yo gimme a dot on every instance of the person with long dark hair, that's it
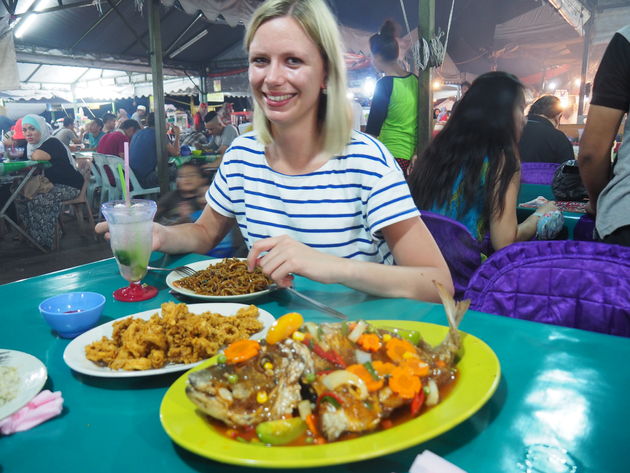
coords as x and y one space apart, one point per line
471 170
393 114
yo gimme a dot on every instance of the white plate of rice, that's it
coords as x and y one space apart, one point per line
22 377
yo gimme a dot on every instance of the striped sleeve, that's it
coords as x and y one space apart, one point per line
218 195
389 202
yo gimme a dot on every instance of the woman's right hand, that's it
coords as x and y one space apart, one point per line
102 228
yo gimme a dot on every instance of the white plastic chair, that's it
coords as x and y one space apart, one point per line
95 184
136 188
110 187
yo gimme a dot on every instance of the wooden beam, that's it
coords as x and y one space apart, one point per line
158 93
426 29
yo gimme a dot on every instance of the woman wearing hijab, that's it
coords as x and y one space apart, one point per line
39 215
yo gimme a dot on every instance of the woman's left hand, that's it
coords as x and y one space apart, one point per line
285 257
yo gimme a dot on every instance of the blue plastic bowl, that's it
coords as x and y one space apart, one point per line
72 313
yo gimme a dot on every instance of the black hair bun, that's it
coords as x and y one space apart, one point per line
388 29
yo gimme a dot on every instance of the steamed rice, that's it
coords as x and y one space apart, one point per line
9 383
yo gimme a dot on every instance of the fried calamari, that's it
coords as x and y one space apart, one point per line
175 336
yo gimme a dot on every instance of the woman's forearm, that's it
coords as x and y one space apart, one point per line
185 238
384 280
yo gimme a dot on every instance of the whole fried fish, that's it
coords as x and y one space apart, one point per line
327 366
229 392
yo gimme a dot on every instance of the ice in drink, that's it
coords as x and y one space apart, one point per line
131 236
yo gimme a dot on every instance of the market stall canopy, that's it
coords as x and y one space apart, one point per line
73 83
202 37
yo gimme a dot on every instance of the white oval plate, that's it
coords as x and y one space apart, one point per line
33 375
198 266
74 354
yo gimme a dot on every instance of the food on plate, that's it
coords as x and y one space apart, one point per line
229 277
175 336
9 383
308 383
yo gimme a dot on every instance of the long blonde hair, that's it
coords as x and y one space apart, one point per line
319 24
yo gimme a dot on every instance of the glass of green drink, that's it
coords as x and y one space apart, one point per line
131 238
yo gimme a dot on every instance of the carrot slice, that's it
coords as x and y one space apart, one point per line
242 350
404 383
312 424
416 366
383 368
369 342
396 349
362 372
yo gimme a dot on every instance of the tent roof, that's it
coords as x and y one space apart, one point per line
485 34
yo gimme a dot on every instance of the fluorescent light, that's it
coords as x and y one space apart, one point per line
350 95
27 22
188 44
551 85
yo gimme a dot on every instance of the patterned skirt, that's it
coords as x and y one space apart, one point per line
39 215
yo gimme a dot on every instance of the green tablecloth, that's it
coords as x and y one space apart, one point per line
529 192
561 387
8 167
204 158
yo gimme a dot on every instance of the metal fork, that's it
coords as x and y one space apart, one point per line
185 270
319 305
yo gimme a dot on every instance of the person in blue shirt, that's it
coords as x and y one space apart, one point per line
143 154
94 134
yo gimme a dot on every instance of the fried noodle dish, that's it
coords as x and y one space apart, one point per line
230 277
313 384
175 336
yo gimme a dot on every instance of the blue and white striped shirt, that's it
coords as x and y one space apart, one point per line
338 209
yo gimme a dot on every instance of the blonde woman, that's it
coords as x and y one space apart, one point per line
310 196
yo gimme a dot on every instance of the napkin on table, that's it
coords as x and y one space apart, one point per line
41 408
429 462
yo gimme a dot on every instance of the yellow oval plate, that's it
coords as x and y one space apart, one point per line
479 374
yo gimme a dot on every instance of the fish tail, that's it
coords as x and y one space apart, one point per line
454 313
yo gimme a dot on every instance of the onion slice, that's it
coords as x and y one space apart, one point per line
340 377
357 331
434 393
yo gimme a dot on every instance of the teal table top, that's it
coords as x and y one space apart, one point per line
560 387
529 192
7 167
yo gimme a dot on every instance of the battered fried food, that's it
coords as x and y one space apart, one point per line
175 336
229 277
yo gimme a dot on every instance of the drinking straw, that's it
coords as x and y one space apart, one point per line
127 170
124 185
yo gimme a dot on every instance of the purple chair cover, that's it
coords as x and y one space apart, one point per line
576 284
584 227
461 250
538 173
